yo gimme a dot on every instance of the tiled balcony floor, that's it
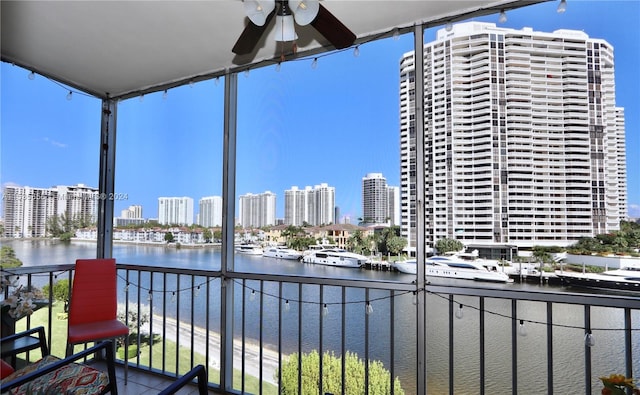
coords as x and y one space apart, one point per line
142 383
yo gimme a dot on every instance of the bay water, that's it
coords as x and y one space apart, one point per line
568 339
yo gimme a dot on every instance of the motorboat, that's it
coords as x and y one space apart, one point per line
318 247
453 267
335 257
625 279
249 249
282 253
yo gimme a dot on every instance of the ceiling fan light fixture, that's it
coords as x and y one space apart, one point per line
258 10
285 28
304 11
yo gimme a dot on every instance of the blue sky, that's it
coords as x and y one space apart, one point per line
298 126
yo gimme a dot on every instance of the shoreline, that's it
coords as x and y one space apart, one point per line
123 242
252 351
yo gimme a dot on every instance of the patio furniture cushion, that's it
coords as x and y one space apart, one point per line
91 331
76 378
5 369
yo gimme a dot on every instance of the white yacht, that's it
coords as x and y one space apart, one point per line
335 257
453 267
249 249
282 253
627 278
318 247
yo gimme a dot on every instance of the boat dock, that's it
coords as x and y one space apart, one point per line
379 265
538 278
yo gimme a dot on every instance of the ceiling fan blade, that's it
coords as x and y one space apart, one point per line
250 36
332 29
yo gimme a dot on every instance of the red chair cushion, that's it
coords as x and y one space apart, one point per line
93 331
5 369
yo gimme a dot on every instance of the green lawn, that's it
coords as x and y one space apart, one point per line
57 343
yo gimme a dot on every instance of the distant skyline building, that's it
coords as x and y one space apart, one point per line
130 216
210 211
315 206
621 170
296 206
380 202
132 212
175 211
257 210
26 210
375 199
322 205
393 204
524 144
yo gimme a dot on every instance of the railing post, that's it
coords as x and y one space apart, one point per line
628 346
106 178
228 219
514 347
587 350
421 353
549 348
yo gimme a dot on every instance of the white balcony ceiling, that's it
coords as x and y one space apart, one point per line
124 48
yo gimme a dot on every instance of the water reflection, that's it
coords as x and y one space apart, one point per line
347 311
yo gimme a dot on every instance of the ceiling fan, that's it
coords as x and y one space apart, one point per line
305 12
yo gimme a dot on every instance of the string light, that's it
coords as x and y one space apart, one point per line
69 96
196 292
287 307
165 94
150 297
396 34
246 73
522 330
562 7
589 341
459 313
217 81
368 308
141 98
252 296
194 288
278 66
314 64
356 51
31 76
503 17
414 298
173 297
325 308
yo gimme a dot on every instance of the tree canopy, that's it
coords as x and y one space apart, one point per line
379 378
448 245
624 241
8 258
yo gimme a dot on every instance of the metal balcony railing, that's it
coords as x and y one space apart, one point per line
474 333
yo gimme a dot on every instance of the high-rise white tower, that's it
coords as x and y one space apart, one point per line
210 211
27 210
375 199
296 206
315 206
257 210
524 144
175 211
322 205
